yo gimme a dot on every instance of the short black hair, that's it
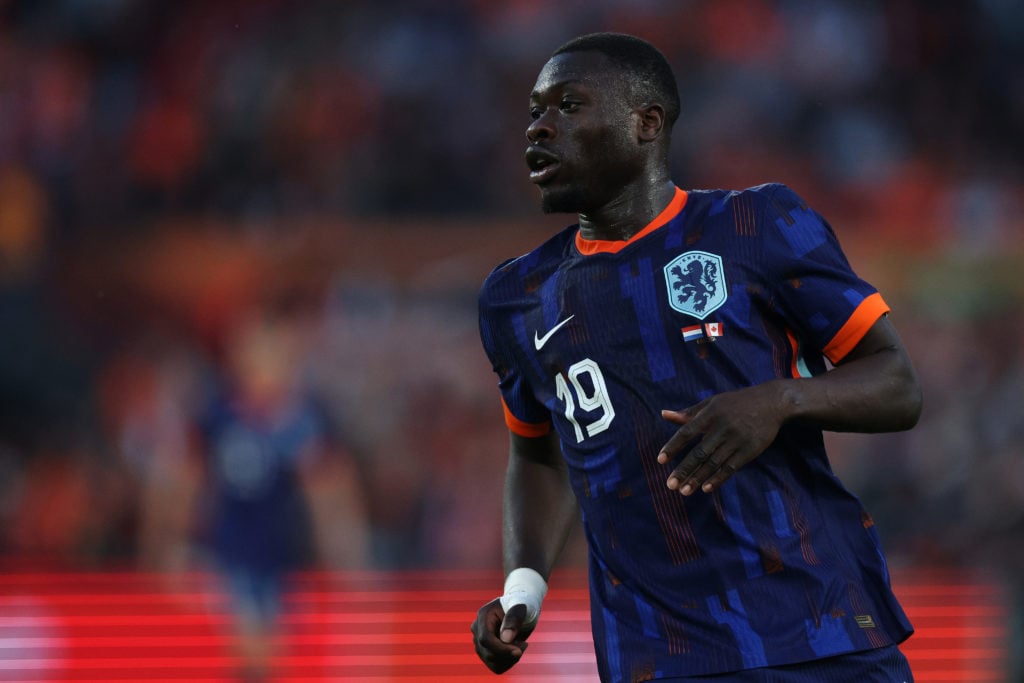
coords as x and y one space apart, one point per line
644 64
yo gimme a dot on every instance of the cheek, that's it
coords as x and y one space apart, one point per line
611 154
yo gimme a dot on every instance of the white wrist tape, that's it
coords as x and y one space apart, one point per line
525 586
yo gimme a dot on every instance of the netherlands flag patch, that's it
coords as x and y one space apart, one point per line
692 333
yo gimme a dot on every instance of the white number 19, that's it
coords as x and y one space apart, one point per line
588 402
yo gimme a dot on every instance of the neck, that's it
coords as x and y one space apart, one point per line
628 213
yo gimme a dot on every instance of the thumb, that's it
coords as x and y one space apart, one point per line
512 623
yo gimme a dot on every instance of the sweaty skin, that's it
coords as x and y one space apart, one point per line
593 152
612 157
873 389
536 526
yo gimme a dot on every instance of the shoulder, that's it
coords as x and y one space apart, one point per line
770 205
777 196
515 275
774 192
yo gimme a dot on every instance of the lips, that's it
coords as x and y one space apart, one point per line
543 164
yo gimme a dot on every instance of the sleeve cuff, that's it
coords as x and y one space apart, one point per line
527 429
858 324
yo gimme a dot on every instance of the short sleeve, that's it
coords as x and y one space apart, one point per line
524 414
813 286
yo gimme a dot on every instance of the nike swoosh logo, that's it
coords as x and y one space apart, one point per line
539 342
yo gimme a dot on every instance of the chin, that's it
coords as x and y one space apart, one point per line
562 200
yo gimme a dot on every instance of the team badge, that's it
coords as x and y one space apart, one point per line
696 283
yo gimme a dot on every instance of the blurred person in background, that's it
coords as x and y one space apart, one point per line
662 365
266 441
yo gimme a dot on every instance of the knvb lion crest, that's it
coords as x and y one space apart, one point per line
696 283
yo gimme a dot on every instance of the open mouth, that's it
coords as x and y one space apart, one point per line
543 165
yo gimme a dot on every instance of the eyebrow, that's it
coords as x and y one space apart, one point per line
560 84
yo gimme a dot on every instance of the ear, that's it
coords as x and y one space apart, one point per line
650 121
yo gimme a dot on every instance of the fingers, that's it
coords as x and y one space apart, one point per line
705 467
680 440
512 624
720 435
724 471
707 462
491 628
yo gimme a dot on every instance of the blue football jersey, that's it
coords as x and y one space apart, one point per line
593 339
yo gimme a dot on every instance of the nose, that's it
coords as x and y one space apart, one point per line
540 128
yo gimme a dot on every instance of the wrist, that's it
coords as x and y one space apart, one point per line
789 401
525 586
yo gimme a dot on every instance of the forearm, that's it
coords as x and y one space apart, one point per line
540 509
878 391
873 389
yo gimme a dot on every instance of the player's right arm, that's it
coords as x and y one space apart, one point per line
539 514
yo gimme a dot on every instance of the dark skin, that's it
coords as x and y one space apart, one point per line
609 155
873 389
612 155
534 535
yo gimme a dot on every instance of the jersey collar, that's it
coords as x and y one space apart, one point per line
588 247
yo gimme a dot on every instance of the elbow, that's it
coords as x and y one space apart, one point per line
910 402
906 396
912 410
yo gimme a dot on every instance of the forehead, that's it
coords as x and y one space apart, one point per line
589 69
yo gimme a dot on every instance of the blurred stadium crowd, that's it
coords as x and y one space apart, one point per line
272 204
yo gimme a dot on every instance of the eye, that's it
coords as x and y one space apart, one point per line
535 113
569 105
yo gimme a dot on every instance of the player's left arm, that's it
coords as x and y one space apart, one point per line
874 388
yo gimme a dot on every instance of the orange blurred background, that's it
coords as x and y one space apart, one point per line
285 199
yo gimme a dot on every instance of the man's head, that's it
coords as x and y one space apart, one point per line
602 109
643 65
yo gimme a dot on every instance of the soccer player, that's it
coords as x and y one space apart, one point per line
662 366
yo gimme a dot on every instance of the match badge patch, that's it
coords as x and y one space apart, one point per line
708 332
865 620
696 283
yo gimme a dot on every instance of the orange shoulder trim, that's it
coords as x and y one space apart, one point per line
527 429
850 334
588 247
